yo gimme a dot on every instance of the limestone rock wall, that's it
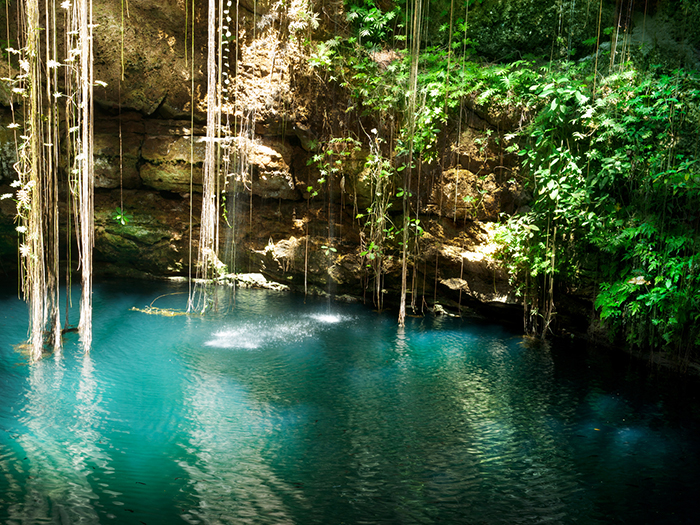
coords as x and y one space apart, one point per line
149 151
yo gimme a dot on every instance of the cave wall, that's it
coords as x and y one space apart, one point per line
147 164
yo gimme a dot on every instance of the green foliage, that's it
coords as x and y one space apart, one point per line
652 282
544 243
328 250
373 26
321 57
508 29
121 216
610 156
330 161
378 84
616 194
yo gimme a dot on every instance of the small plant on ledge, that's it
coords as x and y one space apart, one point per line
121 216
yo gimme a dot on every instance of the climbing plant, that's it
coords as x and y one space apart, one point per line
36 196
379 230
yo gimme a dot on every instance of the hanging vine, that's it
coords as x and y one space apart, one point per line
416 26
208 265
84 164
38 162
34 189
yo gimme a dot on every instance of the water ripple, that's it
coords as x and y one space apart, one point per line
336 416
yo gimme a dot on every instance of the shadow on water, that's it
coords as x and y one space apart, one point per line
279 410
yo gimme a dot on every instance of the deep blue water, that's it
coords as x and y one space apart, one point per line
282 411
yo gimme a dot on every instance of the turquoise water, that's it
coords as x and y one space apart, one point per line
282 411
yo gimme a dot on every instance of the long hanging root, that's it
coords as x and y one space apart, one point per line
165 312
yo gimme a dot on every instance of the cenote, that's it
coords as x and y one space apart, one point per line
283 410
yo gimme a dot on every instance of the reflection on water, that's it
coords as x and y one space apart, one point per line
278 411
225 457
58 446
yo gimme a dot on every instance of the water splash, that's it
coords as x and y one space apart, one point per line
254 335
330 318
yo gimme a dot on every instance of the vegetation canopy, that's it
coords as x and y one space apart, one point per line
604 117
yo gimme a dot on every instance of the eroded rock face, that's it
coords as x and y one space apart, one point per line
117 149
150 148
164 155
267 170
8 235
171 156
462 195
155 240
155 56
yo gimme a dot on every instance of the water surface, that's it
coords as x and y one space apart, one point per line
281 411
